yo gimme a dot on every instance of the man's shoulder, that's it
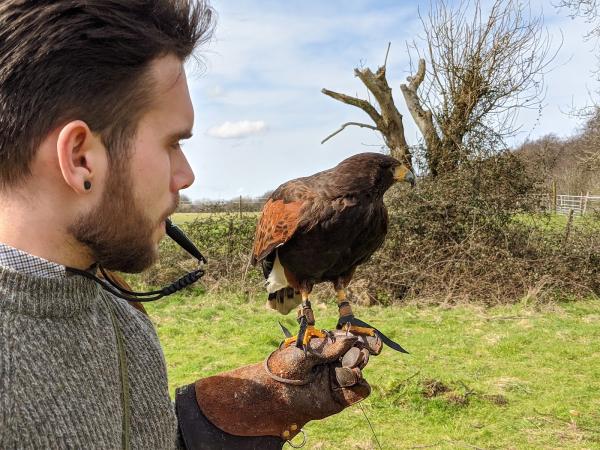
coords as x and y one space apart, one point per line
133 322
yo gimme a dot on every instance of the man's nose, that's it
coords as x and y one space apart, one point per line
183 175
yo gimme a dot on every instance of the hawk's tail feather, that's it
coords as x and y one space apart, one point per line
284 300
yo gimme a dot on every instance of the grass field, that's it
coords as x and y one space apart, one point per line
558 222
522 376
179 218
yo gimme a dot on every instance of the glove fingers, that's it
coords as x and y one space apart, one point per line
352 380
365 359
356 357
347 396
346 376
328 350
293 363
373 344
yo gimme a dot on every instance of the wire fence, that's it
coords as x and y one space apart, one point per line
565 203
239 206
580 204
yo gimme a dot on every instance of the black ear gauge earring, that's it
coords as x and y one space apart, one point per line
87 185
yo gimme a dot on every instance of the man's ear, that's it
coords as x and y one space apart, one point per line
80 155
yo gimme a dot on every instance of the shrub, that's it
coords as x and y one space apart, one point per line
476 235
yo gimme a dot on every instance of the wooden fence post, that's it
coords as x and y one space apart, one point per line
554 204
568 227
230 240
240 206
585 203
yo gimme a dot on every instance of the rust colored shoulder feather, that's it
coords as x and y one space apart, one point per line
278 222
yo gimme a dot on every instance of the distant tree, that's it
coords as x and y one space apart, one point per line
590 142
481 71
573 163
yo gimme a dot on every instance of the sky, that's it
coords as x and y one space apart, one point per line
259 112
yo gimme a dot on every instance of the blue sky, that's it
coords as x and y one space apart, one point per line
260 113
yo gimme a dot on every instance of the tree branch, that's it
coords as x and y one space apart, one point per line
416 80
386 54
388 119
391 125
359 103
423 118
358 124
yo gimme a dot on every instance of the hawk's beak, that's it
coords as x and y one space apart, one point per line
403 173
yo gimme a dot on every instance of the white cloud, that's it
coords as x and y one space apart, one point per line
241 129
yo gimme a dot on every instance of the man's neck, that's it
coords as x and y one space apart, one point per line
39 230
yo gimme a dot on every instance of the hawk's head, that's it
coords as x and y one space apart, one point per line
401 172
372 172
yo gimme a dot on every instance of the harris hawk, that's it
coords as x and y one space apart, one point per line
319 228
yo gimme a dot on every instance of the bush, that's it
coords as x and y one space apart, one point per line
224 239
476 235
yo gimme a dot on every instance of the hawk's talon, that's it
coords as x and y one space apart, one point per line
329 334
363 331
309 333
287 342
347 326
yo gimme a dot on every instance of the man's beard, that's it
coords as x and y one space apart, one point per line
117 233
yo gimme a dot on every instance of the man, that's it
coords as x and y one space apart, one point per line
93 106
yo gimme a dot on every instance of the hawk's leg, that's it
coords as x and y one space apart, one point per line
306 319
346 316
348 322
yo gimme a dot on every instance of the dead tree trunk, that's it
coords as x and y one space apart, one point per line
424 119
388 122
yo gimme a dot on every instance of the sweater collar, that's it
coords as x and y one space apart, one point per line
46 297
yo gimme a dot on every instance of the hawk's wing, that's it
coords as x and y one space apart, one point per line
280 218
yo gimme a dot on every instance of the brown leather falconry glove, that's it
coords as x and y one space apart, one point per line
278 396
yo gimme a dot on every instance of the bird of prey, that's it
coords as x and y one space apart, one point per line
319 229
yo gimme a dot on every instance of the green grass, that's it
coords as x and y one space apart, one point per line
558 222
520 376
179 218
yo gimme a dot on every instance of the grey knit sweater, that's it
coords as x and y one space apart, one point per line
60 384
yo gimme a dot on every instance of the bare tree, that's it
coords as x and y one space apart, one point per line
572 163
590 142
482 70
388 120
590 11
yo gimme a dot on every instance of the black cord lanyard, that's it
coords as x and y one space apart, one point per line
175 233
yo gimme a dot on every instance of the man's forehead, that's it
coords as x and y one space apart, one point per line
172 103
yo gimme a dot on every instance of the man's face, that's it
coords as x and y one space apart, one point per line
124 229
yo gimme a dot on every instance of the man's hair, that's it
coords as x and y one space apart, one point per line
63 60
